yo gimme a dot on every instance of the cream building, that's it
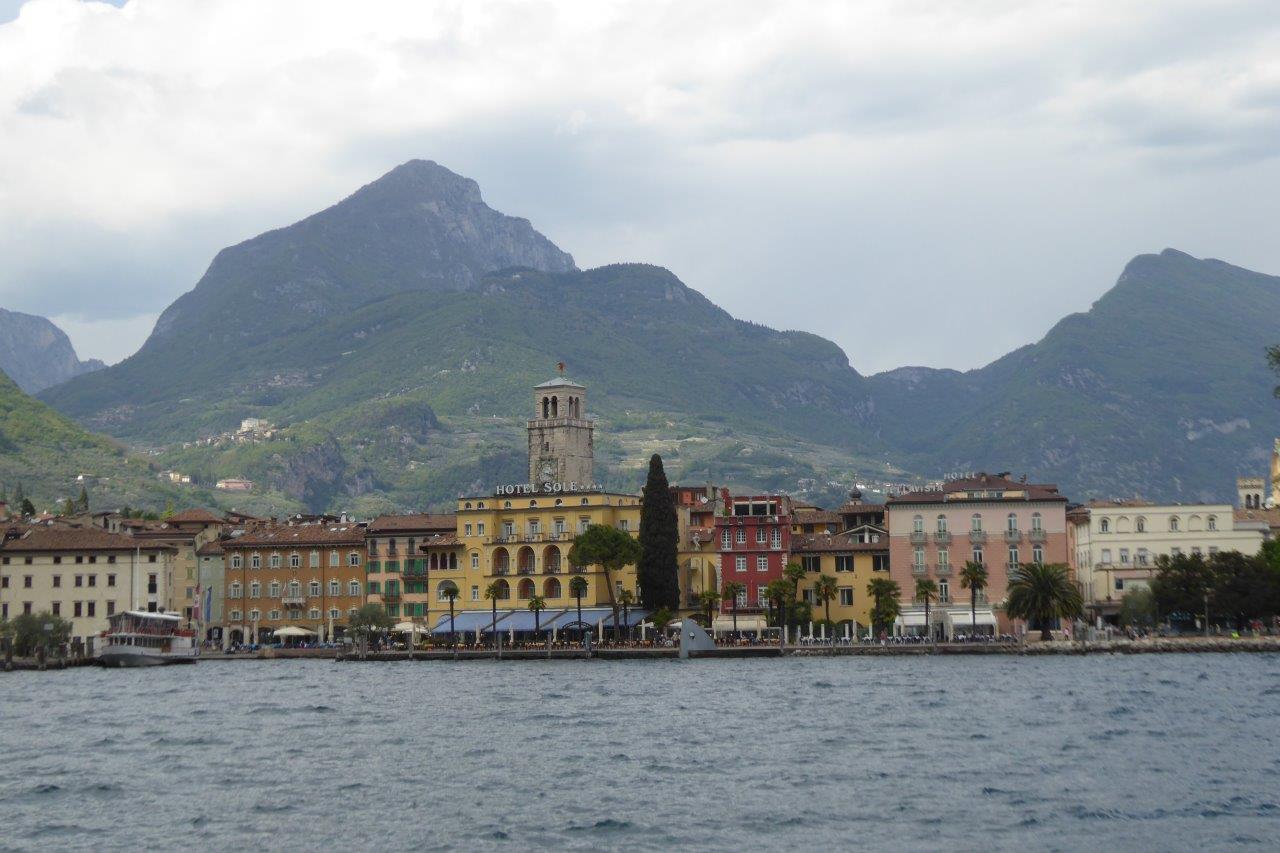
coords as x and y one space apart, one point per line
1114 544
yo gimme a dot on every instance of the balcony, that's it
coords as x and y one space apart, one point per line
942 569
293 600
942 537
502 570
390 595
977 536
1013 537
919 569
525 570
919 537
1036 534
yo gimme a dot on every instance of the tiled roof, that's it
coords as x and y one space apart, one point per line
822 542
42 538
981 482
1271 517
210 549
287 535
858 507
195 515
559 382
413 522
438 541
815 516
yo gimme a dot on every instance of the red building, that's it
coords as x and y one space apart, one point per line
754 539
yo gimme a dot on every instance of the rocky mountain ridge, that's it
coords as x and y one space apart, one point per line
36 354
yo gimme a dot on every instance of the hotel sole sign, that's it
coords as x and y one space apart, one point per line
546 488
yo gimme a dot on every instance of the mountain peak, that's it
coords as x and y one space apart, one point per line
36 354
427 178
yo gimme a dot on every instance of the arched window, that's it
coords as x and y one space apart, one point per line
942 524
1037 523
1011 522
353 559
1195 523
976 523
1173 523
551 560
1213 522
546 407
506 504
453 561
1140 525
1122 524
333 558
559 502
551 588
533 504
442 590
467 505
504 590
1104 526
526 560
584 501
525 589
917 524
501 561
555 407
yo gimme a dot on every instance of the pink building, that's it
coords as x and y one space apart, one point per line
988 519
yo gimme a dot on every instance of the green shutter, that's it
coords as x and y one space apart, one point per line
373 566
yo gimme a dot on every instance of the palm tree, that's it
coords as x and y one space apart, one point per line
794 573
1042 592
825 590
731 590
491 593
537 604
776 592
926 591
973 577
708 598
885 593
578 588
451 593
627 598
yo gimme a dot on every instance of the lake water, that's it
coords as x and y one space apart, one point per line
1140 752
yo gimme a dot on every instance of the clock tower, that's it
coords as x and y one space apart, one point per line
561 444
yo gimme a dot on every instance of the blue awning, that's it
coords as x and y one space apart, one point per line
522 620
590 615
467 621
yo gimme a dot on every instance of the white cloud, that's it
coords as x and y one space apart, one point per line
884 173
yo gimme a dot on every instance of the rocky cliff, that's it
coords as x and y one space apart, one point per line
36 354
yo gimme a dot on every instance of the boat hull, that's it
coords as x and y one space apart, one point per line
133 657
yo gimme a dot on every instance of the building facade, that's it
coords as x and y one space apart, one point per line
1114 544
186 532
988 519
83 575
561 436
754 540
405 552
306 575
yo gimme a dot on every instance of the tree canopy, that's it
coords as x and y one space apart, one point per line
657 572
1041 593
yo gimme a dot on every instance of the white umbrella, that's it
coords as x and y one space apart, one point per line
292 631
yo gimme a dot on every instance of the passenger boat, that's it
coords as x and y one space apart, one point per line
137 638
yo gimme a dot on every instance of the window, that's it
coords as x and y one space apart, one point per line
111 558
742 536
353 588
844 562
1013 558
740 564
111 580
1119 584
235 615
57 580
78 582
76 609
57 561
624 525
479 528
1195 551
846 596
466 529
295 560
275 561
917 558
1141 525
1124 556
762 563
917 524
1037 554
26 582
255 614
234 590
1213 522
274 588
1037 523
975 523
57 608
353 559
1011 522
93 581
79 559
91 608
334 613
335 588
977 555
1143 557
942 524
111 608
255 561
1173 523
313 559
944 560
944 591
1104 526
726 539
776 538
475 560
236 561
333 557
761 535
1106 556
1175 552
475 593
1213 550
255 590
314 613
314 587
274 614
811 562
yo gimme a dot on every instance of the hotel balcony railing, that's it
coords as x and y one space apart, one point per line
389 595
525 570
502 570
919 569
293 600
942 569
942 537
528 538
977 536
1036 534
1013 536
552 570
919 537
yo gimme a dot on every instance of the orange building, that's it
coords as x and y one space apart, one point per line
305 575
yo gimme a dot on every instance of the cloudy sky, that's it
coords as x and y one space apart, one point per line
922 182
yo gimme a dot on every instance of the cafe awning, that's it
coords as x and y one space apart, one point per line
467 621
293 631
966 619
753 622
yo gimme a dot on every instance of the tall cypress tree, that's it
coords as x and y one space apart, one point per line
657 574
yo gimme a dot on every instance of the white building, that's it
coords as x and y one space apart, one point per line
1113 545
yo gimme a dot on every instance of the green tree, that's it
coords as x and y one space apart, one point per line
168 509
368 620
491 595
926 591
537 604
450 592
885 608
1041 593
973 577
1138 609
1273 359
19 496
1244 588
776 593
609 548
627 598
794 573
824 591
657 573
661 618
578 588
1182 584
82 504
708 599
30 634
730 592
